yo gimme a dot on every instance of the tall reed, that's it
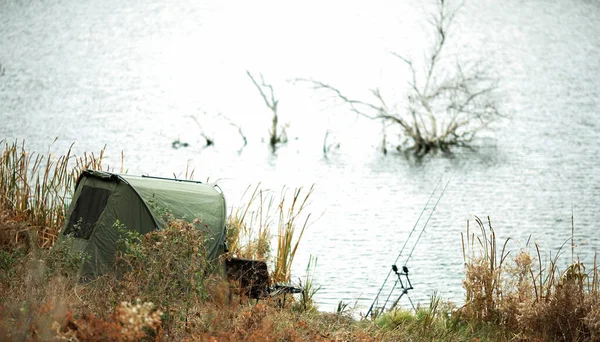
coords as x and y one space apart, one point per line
287 239
483 268
249 225
34 188
249 230
309 289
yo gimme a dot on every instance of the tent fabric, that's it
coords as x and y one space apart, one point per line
140 204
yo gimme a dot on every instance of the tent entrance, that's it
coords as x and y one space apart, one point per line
88 208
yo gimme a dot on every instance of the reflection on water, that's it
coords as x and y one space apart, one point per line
130 75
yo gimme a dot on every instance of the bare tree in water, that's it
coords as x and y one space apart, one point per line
445 105
276 133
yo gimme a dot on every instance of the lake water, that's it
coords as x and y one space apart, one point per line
130 75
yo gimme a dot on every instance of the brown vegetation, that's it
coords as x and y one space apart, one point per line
33 187
164 289
249 228
156 298
531 299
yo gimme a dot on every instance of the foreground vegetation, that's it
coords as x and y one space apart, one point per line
164 292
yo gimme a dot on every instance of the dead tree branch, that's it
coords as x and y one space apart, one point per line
239 128
271 103
209 141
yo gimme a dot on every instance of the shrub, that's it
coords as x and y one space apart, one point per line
167 267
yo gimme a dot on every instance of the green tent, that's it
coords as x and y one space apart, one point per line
139 204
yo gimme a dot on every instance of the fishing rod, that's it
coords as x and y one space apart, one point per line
426 222
405 242
405 268
402 249
404 271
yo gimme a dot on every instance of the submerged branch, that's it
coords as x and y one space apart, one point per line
274 137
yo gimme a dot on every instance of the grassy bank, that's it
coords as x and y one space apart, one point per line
165 293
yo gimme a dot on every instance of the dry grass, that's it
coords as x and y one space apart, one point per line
163 288
532 299
287 240
483 271
34 187
249 228
173 301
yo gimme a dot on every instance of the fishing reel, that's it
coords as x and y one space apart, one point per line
404 269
